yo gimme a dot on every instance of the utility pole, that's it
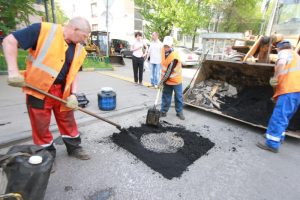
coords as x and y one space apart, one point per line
107 28
46 10
273 18
53 11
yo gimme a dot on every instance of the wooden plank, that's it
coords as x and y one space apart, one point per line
253 49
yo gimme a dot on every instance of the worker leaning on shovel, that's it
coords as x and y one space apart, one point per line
171 79
54 59
287 93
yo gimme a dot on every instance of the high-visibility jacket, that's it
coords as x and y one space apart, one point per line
46 61
289 77
176 75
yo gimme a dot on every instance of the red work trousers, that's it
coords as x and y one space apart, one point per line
40 120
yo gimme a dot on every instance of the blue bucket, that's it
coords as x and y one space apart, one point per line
107 99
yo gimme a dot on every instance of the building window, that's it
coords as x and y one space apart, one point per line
94 27
188 38
179 36
94 9
138 25
137 14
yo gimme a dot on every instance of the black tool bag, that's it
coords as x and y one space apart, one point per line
82 100
29 180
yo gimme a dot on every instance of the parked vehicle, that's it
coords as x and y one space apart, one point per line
198 51
187 57
125 52
97 45
119 45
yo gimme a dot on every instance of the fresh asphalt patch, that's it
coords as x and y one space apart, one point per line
168 149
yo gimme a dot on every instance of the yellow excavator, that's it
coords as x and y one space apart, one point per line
239 88
98 47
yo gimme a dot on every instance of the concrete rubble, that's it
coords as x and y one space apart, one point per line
204 93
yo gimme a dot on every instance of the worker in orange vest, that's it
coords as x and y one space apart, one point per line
55 55
171 79
287 95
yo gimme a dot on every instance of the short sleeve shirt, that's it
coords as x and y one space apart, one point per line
285 55
28 38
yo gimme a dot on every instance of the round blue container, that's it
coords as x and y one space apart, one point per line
107 99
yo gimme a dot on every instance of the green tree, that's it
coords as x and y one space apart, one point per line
194 15
14 12
239 15
163 15
191 15
61 18
160 15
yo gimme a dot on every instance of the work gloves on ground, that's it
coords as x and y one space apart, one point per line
273 82
16 81
72 102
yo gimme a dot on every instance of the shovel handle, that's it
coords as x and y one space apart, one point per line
157 96
78 108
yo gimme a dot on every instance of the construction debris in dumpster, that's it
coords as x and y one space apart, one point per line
249 103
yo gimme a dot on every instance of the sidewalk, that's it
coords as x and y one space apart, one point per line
14 121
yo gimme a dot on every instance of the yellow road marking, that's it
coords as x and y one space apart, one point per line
124 78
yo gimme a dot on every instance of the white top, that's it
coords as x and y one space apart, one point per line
285 55
137 48
155 52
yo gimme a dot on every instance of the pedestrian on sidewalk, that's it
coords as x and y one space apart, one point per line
154 53
171 79
287 95
55 55
138 57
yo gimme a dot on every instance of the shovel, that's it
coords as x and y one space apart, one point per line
82 110
153 114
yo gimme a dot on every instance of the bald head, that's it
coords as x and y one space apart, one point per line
80 23
77 30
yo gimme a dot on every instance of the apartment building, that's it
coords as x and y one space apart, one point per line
119 17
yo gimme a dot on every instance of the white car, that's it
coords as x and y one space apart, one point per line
187 57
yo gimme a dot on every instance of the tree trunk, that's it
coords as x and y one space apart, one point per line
194 38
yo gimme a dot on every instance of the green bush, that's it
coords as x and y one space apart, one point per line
96 62
89 62
22 55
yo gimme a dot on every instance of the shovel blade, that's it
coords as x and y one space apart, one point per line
153 117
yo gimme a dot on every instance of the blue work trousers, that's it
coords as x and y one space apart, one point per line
286 106
155 71
167 98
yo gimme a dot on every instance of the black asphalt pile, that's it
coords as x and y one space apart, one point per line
169 165
251 104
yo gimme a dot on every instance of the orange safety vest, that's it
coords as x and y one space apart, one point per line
176 75
289 77
46 61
